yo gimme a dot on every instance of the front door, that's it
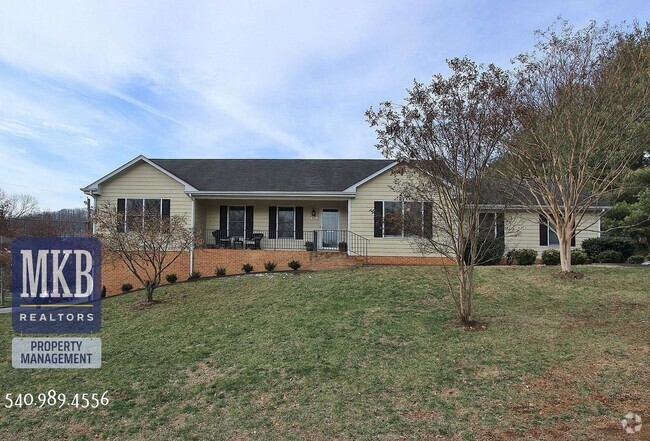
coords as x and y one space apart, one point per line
330 228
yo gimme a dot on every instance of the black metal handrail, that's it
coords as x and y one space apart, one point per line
309 240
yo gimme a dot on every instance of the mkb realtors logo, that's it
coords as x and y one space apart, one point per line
56 289
56 285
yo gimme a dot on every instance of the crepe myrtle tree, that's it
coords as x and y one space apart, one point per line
445 136
146 243
582 107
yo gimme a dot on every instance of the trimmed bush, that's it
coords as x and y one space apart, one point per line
343 247
103 295
551 257
171 278
596 245
247 268
127 287
636 259
294 265
579 257
220 271
309 246
270 266
610 256
490 250
194 275
525 256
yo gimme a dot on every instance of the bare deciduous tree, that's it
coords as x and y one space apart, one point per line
583 97
445 137
14 206
146 243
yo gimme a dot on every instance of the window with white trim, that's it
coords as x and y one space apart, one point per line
286 222
403 219
487 223
236 220
548 236
137 210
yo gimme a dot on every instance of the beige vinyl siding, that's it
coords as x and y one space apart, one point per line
261 212
362 217
199 215
144 181
522 230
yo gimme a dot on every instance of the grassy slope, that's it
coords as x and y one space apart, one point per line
358 353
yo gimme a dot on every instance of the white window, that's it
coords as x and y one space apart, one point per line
286 222
403 219
236 221
548 236
137 211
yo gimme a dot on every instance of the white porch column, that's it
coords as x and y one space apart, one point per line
193 224
349 223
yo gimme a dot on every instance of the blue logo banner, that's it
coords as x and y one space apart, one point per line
56 285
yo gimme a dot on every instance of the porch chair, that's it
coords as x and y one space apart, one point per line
220 241
254 242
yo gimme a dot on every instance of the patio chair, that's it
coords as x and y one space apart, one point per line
227 242
254 242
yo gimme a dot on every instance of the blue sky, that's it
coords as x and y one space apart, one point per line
86 86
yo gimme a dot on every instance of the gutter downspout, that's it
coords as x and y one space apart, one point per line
95 211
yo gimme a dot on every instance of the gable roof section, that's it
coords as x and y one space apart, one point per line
273 175
94 187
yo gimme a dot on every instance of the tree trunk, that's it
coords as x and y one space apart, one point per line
150 289
565 252
466 288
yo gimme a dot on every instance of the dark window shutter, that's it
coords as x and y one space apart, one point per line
428 220
273 211
299 223
166 208
249 221
501 227
379 215
121 209
573 236
543 231
223 221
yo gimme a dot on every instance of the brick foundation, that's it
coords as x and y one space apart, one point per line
115 274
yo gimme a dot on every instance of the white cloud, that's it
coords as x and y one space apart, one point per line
86 86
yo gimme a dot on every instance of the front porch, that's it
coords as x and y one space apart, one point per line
307 225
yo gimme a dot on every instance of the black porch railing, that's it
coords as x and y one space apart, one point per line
310 240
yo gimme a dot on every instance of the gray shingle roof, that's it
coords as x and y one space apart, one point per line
287 175
516 193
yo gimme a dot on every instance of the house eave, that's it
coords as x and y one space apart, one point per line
261 195
530 207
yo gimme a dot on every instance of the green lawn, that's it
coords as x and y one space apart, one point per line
367 353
